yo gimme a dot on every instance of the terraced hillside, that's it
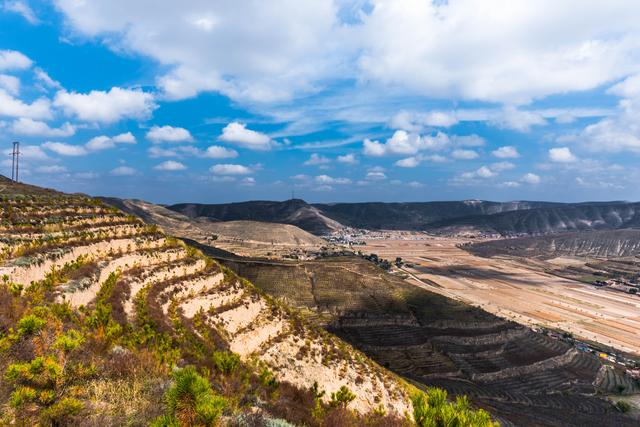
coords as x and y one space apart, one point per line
96 307
522 377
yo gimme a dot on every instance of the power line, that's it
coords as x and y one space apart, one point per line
15 161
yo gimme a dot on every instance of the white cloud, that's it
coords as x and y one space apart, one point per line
230 169
315 159
104 142
415 184
123 171
562 155
106 107
10 83
472 140
464 49
518 120
248 181
416 122
404 143
65 149
375 176
506 53
506 152
158 134
30 127
51 169
502 166
326 179
218 152
43 77
349 159
409 162
238 134
13 60
22 8
13 107
531 178
464 154
510 184
170 165
244 50
30 152
482 172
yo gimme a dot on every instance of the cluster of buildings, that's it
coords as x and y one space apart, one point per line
620 285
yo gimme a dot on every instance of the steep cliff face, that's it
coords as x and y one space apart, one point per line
546 220
593 244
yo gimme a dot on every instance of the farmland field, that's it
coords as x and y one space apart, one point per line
517 290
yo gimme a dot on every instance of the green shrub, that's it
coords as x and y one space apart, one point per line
191 401
226 362
61 411
30 324
69 341
623 406
342 397
433 410
22 395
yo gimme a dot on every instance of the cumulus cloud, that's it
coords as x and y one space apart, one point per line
316 159
30 152
409 162
170 165
416 122
238 134
460 154
10 83
326 179
530 178
65 149
106 106
404 143
123 171
230 169
13 107
13 60
349 159
104 142
209 46
506 152
518 120
248 181
30 127
218 152
158 134
562 155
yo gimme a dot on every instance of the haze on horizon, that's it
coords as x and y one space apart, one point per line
352 100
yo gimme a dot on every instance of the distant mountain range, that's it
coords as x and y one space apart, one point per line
593 244
519 218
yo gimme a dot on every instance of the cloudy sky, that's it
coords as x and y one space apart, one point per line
354 100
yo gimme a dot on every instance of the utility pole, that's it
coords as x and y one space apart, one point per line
15 161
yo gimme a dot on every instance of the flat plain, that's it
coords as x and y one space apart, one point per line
516 289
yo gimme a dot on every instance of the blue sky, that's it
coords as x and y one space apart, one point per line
355 100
